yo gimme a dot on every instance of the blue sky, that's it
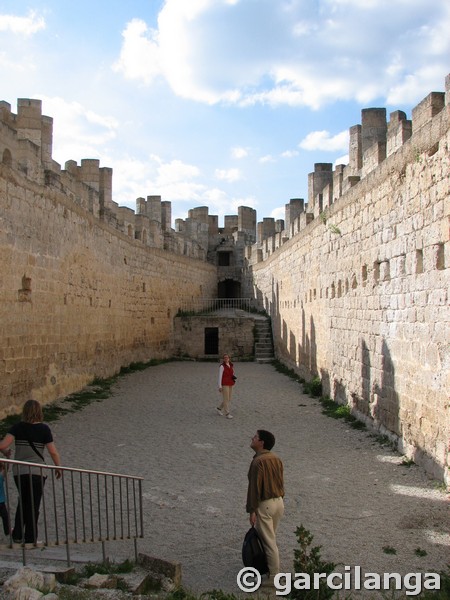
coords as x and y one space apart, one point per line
220 103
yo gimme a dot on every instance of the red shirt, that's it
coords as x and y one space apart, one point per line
226 373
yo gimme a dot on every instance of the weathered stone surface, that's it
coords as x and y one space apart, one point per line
27 593
168 571
234 336
24 577
361 299
99 580
356 286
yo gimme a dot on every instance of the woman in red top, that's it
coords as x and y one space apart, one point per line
226 382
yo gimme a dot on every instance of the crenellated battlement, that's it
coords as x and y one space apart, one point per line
355 279
375 143
26 146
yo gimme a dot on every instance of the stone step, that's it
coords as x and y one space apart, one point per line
263 343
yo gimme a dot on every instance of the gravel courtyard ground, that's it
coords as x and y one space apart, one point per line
350 492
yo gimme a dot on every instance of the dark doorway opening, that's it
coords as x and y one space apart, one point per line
229 289
224 259
211 340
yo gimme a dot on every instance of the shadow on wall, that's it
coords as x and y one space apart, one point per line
377 402
385 408
363 404
302 355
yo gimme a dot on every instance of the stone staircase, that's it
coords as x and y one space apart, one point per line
263 345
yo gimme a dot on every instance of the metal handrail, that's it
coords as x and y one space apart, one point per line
208 305
83 506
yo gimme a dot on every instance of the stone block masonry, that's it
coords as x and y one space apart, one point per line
356 281
359 295
79 299
235 336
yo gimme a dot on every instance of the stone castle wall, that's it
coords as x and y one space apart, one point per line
355 279
358 288
79 297
235 336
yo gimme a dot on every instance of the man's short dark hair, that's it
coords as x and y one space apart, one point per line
266 437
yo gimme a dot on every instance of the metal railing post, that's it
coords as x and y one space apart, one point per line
112 514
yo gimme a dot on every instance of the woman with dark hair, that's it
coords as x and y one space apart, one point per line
31 437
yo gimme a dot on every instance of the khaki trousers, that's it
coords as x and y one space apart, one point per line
226 398
269 513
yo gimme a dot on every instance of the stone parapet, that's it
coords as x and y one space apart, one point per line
359 296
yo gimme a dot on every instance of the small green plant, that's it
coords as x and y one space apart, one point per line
180 594
340 411
308 561
99 389
441 486
358 425
407 462
389 550
68 593
443 593
313 387
384 440
217 595
343 411
334 229
141 366
323 216
7 423
108 568
281 368
420 552
257 311
417 155
186 313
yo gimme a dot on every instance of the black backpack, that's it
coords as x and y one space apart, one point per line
253 554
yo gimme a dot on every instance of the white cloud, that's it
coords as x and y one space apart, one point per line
10 65
239 152
215 196
229 175
77 132
321 140
28 25
406 89
140 55
174 181
342 160
289 154
235 203
268 158
175 172
291 53
278 213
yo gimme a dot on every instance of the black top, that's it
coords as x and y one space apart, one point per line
38 433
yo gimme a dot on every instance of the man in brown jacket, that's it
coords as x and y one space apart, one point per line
265 495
